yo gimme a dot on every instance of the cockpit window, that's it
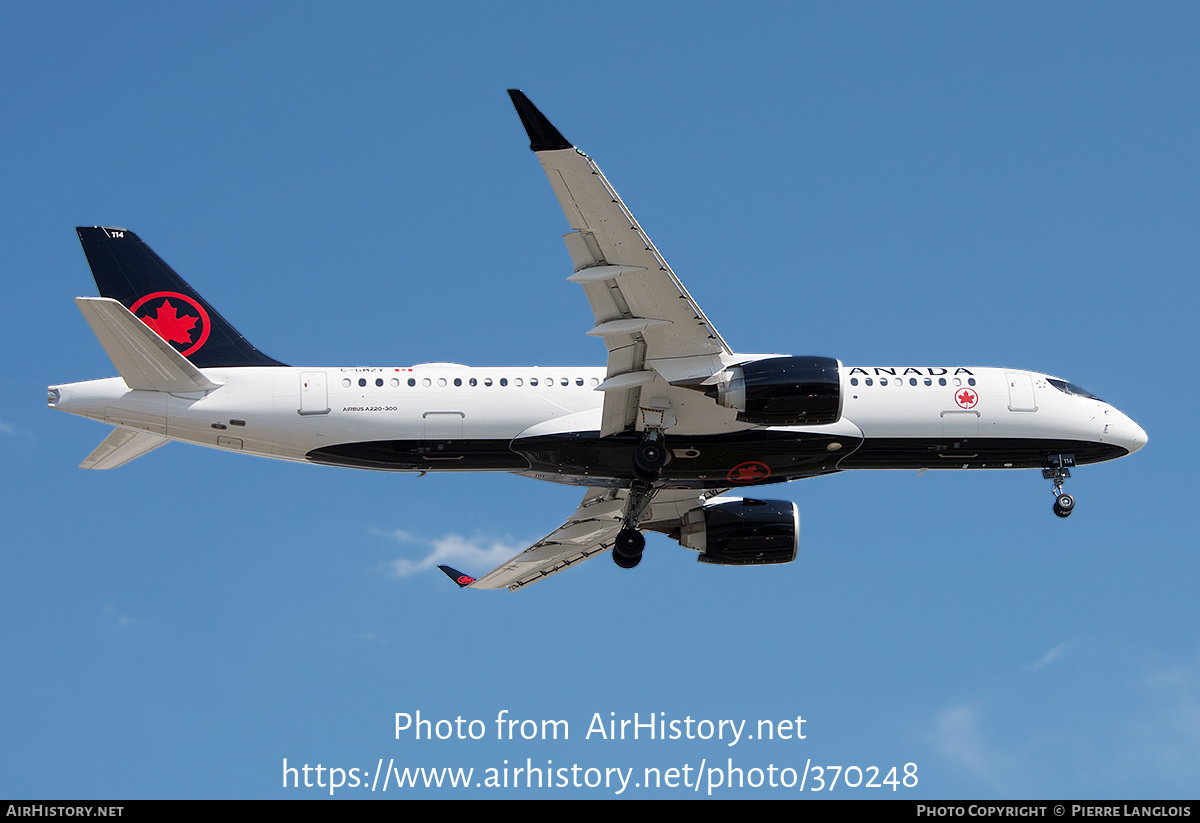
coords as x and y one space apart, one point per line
1070 388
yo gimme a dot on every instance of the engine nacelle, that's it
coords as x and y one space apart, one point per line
743 532
783 391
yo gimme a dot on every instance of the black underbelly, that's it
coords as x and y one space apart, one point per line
743 459
972 453
746 458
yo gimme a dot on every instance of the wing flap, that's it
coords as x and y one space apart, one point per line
608 236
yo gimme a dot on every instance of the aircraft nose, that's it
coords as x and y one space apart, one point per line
1127 434
1137 438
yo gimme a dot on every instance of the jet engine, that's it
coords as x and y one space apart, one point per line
743 532
782 391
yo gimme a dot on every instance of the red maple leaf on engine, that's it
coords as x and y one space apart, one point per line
170 326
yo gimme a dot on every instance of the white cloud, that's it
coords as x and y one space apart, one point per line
16 431
1109 723
477 555
957 736
114 618
1048 658
1166 729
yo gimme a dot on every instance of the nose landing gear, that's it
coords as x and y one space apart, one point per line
1058 470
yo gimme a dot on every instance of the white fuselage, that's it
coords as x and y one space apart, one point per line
933 417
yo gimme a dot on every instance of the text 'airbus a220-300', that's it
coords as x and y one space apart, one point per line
659 437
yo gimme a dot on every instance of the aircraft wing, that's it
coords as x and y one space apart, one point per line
588 532
652 327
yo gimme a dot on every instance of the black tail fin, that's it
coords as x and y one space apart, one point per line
128 270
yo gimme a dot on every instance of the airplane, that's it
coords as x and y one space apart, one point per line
676 434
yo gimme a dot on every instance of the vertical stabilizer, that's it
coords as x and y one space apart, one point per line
128 270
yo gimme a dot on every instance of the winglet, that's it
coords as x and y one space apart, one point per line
463 580
542 134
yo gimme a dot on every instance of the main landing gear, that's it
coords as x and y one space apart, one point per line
648 460
627 550
1058 470
650 456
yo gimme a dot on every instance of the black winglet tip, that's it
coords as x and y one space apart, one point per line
542 134
463 580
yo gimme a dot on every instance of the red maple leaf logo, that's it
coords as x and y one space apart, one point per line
170 326
966 398
748 472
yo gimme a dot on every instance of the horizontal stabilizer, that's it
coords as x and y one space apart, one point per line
143 359
121 446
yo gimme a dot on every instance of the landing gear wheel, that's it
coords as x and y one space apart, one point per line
1058 469
650 456
1064 504
625 562
628 547
645 476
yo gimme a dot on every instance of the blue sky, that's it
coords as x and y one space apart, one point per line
1005 185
